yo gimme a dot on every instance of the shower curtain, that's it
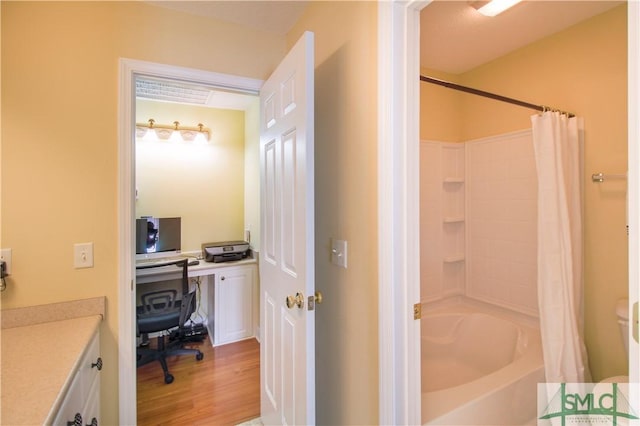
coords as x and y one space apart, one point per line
556 140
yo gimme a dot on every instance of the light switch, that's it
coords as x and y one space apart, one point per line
339 253
83 255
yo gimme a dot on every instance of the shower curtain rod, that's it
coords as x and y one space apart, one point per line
490 95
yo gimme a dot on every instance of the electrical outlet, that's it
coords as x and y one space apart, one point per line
83 255
5 254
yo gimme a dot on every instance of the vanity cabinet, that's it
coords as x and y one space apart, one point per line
233 308
81 404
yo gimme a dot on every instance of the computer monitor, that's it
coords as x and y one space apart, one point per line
157 234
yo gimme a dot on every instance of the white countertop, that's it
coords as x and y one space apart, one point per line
38 363
41 350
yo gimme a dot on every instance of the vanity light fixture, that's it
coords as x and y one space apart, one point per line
200 137
175 134
150 133
153 131
493 7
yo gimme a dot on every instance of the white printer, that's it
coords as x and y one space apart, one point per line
225 251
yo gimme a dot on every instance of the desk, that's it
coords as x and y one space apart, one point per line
229 295
172 272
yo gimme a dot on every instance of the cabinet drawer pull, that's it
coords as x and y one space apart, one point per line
222 278
97 364
77 420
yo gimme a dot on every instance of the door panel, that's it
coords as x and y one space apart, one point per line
269 219
287 264
289 227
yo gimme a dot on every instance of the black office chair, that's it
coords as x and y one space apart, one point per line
162 312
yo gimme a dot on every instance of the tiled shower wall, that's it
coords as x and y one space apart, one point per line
478 228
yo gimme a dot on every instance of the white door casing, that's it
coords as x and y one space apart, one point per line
287 260
129 69
399 210
633 181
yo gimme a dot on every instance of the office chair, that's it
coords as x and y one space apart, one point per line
160 311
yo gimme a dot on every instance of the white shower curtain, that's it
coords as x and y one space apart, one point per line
557 140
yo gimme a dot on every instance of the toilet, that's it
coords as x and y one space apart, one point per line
622 311
605 386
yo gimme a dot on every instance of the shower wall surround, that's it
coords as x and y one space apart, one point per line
442 220
478 221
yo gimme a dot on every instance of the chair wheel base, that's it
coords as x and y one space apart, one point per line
199 356
168 378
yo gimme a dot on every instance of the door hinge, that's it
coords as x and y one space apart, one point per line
417 311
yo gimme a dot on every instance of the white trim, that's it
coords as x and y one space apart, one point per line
633 185
129 68
126 335
398 210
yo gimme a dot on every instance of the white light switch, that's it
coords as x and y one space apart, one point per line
83 255
339 253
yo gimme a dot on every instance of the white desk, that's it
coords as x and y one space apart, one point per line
230 295
172 272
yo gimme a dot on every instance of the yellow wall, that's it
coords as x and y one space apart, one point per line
252 173
201 183
583 70
346 206
440 117
59 137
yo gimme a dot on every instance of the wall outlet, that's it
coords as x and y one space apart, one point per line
5 254
83 255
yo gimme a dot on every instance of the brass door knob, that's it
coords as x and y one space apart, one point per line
297 300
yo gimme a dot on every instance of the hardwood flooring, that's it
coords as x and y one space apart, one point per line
222 389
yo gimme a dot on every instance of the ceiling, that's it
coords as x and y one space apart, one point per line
176 91
454 38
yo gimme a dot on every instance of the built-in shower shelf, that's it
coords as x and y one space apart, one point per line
453 180
453 219
454 259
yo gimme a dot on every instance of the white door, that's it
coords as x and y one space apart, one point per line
287 324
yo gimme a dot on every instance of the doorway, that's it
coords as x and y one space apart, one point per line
398 177
129 70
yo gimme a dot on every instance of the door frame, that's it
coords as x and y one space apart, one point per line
633 172
128 70
399 210
398 192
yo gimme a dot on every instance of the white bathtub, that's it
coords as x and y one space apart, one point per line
479 368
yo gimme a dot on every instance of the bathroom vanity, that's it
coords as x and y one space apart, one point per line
51 363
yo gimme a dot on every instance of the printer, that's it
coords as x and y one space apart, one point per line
225 251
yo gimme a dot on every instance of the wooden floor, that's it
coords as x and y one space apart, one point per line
222 389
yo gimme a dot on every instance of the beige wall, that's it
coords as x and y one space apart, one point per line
252 173
346 206
201 183
59 137
440 109
583 70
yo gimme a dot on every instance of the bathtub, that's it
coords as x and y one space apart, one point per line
479 367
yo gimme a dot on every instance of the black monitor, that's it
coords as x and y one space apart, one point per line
157 234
